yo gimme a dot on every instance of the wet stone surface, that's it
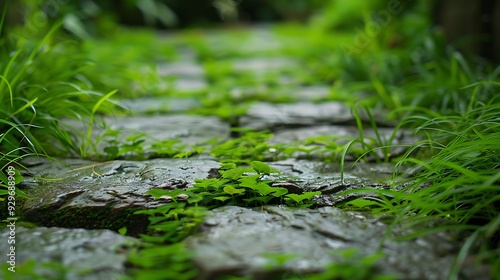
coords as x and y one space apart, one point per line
188 130
309 93
145 105
185 130
259 64
340 135
310 176
80 254
185 85
104 195
238 241
181 69
184 76
262 115
256 41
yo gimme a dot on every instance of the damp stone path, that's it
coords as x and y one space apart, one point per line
78 206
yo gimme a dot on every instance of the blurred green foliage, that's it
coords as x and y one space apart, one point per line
84 17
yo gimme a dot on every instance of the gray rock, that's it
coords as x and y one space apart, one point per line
263 64
310 176
177 86
279 116
243 241
78 253
187 85
262 40
184 69
188 129
309 93
182 77
172 126
242 42
158 104
289 135
340 135
104 195
286 92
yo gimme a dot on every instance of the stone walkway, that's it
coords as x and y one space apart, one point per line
98 196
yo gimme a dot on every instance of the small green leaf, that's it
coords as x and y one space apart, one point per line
298 198
183 154
261 167
18 178
264 188
122 231
295 197
112 151
233 174
112 133
134 137
222 198
279 192
212 183
249 181
310 195
195 198
227 166
161 192
361 203
232 190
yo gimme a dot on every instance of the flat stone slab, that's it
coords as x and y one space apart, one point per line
78 253
190 130
241 241
185 130
160 104
183 76
263 115
288 91
336 136
184 69
77 193
243 42
185 85
263 64
300 176
310 93
182 85
82 193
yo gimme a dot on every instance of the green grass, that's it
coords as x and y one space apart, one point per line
464 177
453 175
40 89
